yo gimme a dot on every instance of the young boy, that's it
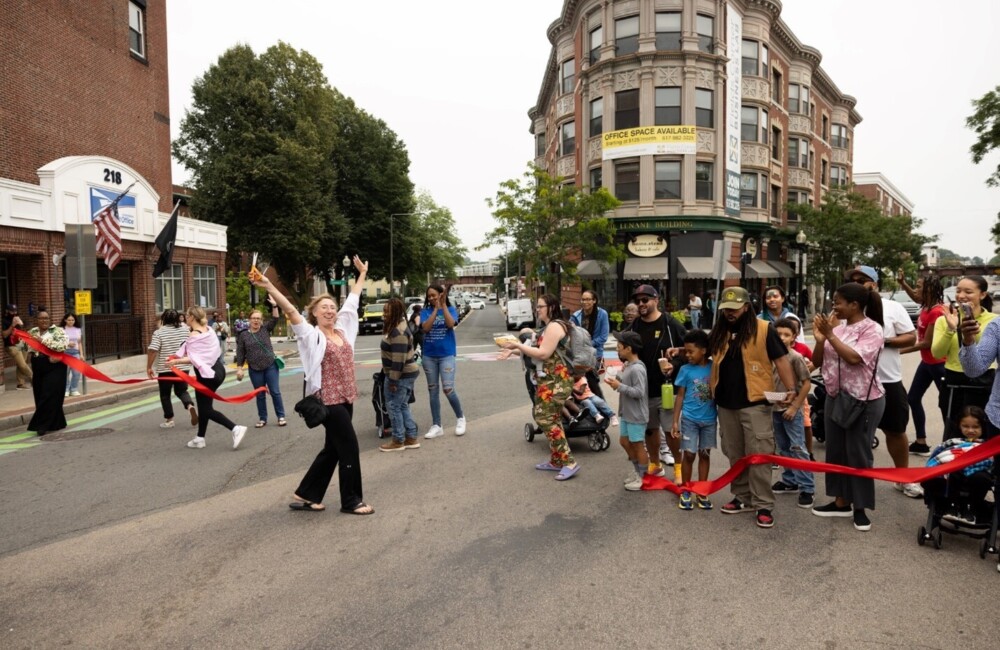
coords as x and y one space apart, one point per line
633 406
807 354
596 406
789 430
695 415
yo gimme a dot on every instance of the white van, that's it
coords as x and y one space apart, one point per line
520 314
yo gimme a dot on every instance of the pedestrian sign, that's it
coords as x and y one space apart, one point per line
82 299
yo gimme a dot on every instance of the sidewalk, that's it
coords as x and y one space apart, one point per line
17 406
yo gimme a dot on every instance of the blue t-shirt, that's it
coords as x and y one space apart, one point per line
698 404
440 340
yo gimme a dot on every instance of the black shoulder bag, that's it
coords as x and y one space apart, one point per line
847 408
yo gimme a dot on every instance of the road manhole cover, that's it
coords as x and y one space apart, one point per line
58 436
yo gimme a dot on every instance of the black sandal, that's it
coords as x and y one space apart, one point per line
358 509
306 506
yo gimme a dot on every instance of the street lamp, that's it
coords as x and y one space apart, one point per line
392 242
800 267
347 265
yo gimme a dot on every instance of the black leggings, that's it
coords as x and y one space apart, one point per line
341 447
205 410
180 390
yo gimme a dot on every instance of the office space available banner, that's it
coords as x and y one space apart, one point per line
648 141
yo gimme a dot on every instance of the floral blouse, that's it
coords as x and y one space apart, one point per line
865 337
54 338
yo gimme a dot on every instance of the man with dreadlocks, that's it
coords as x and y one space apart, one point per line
746 350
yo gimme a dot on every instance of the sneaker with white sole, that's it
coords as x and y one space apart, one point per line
634 484
666 457
861 521
196 443
460 427
238 432
913 490
434 432
599 418
614 421
74 393
169 424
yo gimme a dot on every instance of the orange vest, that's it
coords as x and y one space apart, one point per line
757 366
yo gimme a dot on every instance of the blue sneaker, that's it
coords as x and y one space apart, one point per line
704 503
685 502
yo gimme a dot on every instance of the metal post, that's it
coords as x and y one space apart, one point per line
392 242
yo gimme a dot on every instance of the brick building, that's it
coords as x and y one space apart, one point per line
878 188
85 112
748 122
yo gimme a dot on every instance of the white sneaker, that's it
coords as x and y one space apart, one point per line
666 456
913 490
434 432
614 421
74 393
634 484
460 427
196 443
238 432
169 424
67 394
599 418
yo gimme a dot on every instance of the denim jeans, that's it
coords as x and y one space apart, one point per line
925 375
597 405
72 376
440 372
268 376
790 439
398 404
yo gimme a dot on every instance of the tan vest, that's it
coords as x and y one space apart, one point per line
757 367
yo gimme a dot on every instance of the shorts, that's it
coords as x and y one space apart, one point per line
698 436
634 432
897 409
658 418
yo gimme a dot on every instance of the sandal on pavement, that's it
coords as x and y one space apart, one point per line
306 506
567 472
548 467
360 509
282 422
260 424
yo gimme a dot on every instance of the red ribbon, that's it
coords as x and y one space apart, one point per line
894 474
91 372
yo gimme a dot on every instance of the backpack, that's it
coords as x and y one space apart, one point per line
579 355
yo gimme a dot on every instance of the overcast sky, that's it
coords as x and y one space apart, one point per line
456 78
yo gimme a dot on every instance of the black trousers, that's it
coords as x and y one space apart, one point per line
48 384
206 411
180 390
852 448
341 447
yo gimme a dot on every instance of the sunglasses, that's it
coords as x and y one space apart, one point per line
645 300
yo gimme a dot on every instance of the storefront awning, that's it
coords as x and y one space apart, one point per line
647 268
594 270
784 271
703 268
761 269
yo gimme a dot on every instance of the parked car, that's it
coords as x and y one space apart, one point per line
371 318
477 303
492 297
520 313
903 298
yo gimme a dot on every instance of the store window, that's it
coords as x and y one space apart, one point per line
668 105
170 289
668 179
626 35
627 109
114 290
205 286
668 31
627 180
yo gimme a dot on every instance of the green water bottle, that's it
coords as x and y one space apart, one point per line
667 396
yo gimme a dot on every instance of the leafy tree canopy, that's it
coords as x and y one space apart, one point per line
551 222
985 121
849 229
434 244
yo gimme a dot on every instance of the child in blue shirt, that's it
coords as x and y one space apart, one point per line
697 428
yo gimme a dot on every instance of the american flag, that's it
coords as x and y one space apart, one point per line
109 232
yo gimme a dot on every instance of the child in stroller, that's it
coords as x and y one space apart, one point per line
577 420
958 502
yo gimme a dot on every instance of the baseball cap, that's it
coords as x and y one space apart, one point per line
630 339
733 298
867 271
646 290
11 307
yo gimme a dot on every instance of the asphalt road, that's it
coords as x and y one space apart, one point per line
126 538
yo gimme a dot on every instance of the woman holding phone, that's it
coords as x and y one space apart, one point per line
972 300
438 320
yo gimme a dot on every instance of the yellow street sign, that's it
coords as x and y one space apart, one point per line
82 299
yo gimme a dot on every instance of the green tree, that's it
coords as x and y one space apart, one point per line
553 224
947 257
434 242
258 141
849 229
985 121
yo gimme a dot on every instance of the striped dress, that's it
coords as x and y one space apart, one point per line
166 341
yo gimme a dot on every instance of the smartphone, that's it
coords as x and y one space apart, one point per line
965 309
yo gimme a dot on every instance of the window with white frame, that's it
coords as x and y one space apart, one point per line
839 136
137 30
596 41
754 190
205 286
668 31
668 179
838 176
798 153
704 174
754 58
626 35
704 108
753 127
705 26
568 75
170 289
627 180
596 116
567 138
798 99
668 105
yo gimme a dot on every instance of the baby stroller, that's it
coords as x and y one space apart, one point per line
383 427
952 508
817 409
577 421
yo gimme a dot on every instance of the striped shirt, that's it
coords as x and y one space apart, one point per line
397 353
166 341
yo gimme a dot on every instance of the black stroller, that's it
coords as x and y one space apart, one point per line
953 511
577 422
383 427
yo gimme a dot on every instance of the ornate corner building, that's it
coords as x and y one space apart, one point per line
85 112
705 118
